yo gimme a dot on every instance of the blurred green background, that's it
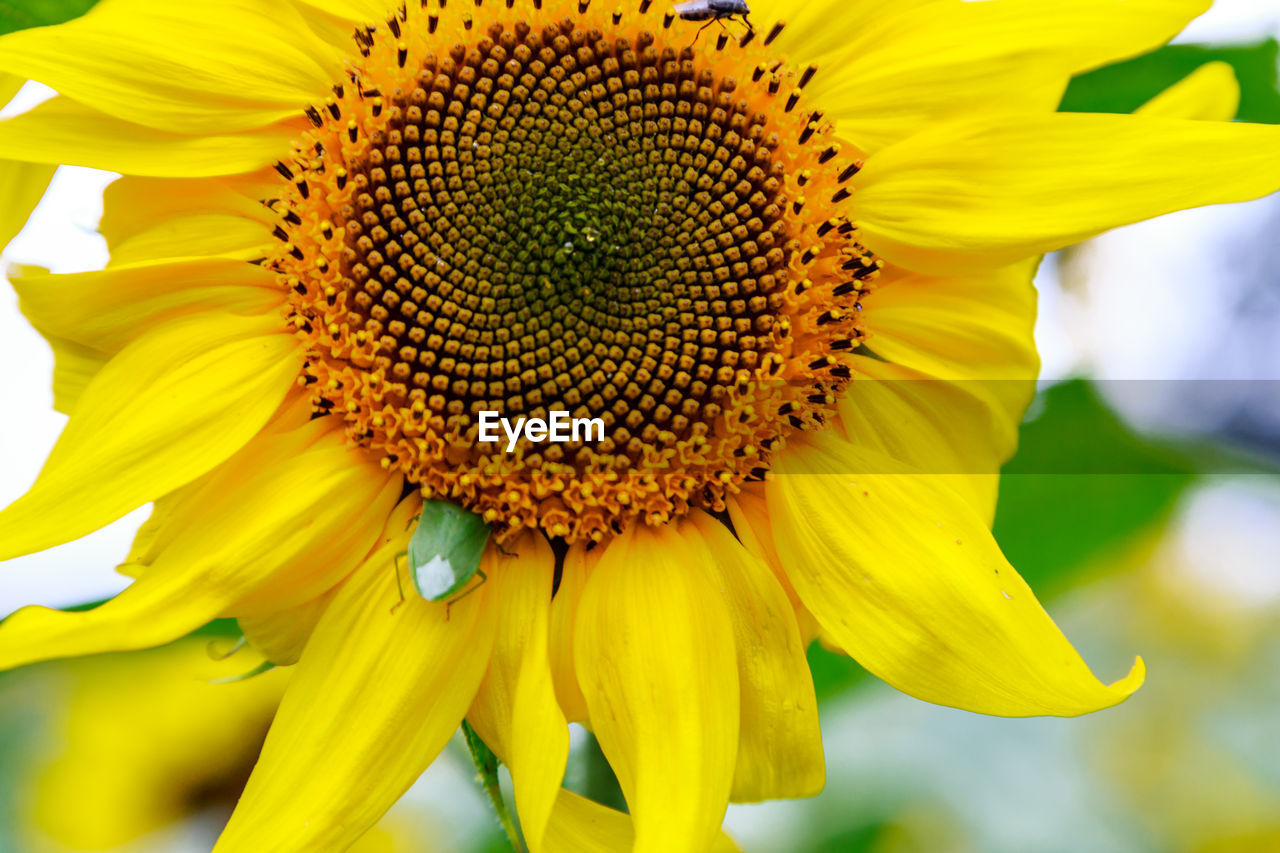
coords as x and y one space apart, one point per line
1160 542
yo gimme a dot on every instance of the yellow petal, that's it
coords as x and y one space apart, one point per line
9 86
779 743
579 825
278 524
809 37
180 66
281 522
655 658
942 61
362 11
334 20
74 367
106 309
564 610
61 131
892 68
150 612
959 327
750 517
201 234
134 204
1210 93
892 30
280 637
21 187
539 747
136 736
995 190
749 512
962 371
952 429
905 575
168 408
1093 33
515 711
292 418
380 688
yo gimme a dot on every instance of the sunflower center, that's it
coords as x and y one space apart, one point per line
570 214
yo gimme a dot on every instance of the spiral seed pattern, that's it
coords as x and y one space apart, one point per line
576 214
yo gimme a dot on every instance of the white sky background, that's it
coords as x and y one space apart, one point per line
1143 314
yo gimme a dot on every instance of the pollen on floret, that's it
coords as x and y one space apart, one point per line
568 208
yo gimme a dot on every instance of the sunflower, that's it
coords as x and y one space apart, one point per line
787 265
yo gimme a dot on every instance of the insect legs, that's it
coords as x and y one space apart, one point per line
448 604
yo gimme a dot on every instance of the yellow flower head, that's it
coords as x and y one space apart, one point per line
786 266
538 216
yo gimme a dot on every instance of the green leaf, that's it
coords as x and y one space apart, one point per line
834 673
1124 87
23 14
862 836
590 775
1081 483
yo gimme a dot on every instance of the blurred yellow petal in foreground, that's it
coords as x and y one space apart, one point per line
135 744
143 752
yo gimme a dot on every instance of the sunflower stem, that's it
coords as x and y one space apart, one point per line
487 772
